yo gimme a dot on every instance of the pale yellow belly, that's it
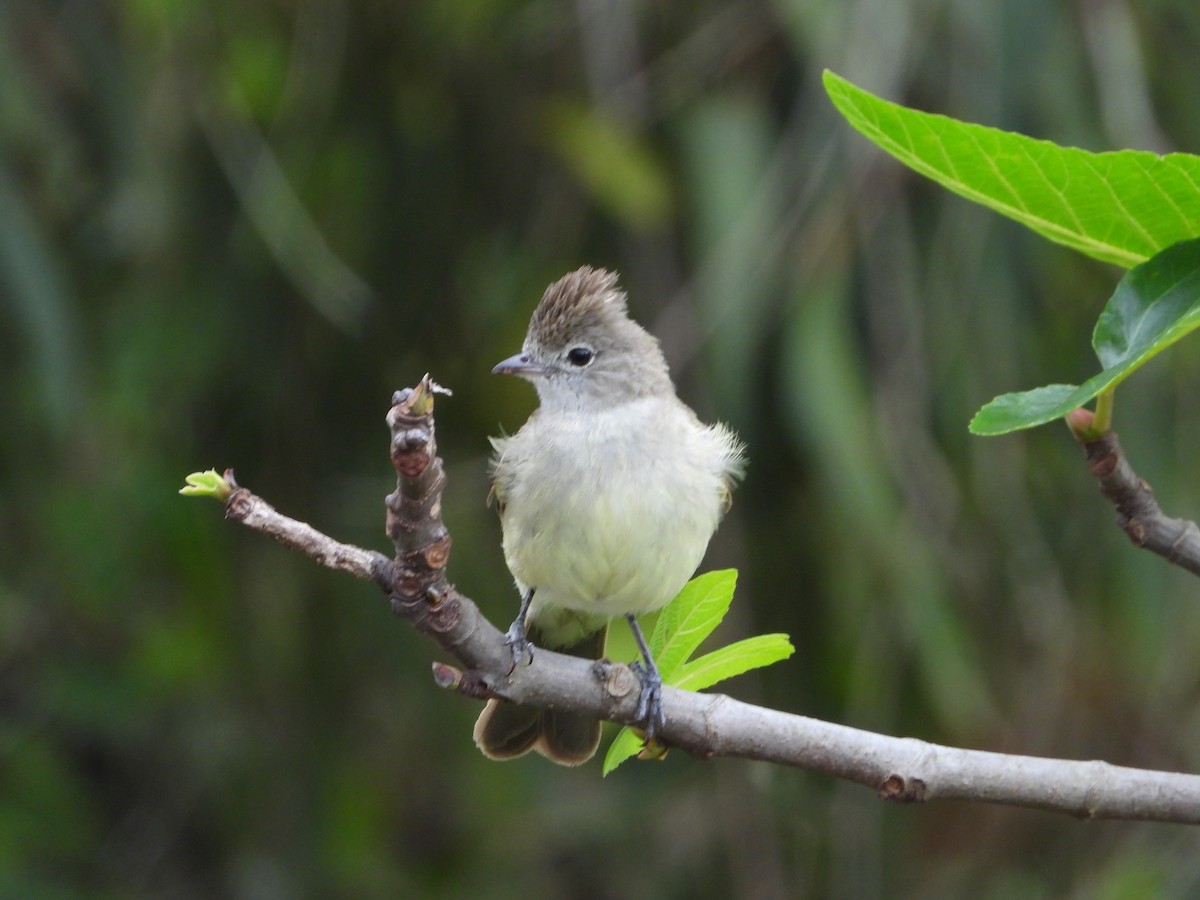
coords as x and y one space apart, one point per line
613 549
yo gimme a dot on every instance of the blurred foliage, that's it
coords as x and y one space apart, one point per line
229 230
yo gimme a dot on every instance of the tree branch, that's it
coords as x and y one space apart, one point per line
707 725
1138 513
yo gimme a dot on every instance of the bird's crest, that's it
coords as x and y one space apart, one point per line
582 297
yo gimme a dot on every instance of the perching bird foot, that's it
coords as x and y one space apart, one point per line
650 709
516 638
518 644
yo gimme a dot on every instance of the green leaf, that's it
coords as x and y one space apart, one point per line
1154 306
1025 409
626 744
734 659
208 484
691 617
1120 207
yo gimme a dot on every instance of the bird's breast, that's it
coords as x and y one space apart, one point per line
610 513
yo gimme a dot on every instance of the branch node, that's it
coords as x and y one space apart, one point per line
410 452
433 610
900 790
437 554
410 583
619 681
1101 460
469 683
239 504
443 611
447 677
1134 528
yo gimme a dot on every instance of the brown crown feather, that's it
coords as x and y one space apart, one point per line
584 296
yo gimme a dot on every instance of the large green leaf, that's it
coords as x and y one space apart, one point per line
1120 207
1154 306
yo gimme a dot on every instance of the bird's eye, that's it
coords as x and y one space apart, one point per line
580 356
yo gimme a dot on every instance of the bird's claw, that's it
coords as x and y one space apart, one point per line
650 709
518 644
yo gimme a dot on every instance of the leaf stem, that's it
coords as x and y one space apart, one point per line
1088 425
1104 412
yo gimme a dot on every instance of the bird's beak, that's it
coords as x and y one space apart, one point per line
521 364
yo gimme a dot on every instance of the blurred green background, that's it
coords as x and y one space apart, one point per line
229 230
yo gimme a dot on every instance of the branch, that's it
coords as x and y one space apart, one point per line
1138 513
707 725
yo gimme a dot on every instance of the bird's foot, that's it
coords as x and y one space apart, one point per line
650 709
516 638
518 644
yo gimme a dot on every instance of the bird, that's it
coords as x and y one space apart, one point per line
608 496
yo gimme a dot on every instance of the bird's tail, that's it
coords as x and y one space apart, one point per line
507 730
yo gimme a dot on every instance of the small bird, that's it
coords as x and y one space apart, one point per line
608 496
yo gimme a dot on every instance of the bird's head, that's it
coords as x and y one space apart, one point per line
583 351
